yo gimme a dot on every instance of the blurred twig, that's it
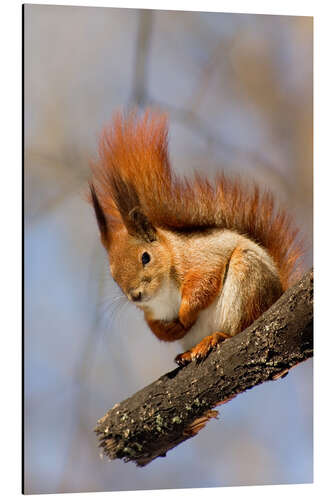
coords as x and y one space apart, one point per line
176 406
139 96
207 73
66 167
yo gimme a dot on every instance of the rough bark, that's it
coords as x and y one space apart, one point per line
176 406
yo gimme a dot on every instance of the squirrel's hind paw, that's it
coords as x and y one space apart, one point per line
202 349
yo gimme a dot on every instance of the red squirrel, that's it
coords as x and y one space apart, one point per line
202 260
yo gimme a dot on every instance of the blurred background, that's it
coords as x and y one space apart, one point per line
238 90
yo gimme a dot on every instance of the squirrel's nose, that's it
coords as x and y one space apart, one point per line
135 296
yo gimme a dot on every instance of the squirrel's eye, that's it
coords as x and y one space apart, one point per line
145 258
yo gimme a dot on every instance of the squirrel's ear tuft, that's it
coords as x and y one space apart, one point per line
139 225
127 201
100 215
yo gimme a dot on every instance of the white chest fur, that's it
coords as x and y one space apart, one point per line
206 324
165 304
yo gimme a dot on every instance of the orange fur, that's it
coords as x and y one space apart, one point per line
134 166
169 331
256 302
198 291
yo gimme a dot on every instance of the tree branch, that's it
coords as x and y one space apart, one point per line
177 405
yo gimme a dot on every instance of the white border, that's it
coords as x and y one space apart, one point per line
11 243
282 7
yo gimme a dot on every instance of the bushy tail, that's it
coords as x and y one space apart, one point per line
134 169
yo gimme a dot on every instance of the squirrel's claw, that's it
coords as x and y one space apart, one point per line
183 358
202 349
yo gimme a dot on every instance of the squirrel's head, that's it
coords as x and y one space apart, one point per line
139 257
139 266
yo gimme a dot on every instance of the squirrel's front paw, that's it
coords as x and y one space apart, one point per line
201 350
187 316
